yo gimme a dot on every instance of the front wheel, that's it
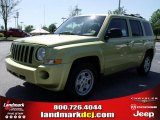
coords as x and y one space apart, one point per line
145 66
81 81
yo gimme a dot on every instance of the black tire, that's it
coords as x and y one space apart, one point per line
81 81
145 66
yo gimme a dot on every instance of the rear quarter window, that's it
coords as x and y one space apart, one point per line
136 28
147 29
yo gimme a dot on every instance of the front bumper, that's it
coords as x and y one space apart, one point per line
51 77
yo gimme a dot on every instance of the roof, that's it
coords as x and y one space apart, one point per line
136 16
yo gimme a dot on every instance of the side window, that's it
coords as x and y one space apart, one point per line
147 29
136 28
119 23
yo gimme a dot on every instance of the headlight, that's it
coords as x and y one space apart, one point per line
40 53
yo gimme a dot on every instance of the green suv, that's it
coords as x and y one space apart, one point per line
80 50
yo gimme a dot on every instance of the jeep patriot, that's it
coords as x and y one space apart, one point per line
81 49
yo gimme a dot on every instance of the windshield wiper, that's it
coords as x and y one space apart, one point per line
66 33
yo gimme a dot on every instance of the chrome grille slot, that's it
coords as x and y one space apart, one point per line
19 50
22 53
26 54
30 54
13 49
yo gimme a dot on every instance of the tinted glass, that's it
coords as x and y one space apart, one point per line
121 24
136 28
82 25
147 29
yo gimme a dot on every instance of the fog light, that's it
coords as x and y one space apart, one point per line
44 74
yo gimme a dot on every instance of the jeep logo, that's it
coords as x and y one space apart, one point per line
144 114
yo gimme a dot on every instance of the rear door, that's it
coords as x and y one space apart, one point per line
136 44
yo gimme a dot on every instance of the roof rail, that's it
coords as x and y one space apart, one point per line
134 15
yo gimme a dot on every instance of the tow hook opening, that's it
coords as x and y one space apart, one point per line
44 74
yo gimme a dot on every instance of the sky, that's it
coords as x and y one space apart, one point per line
45 12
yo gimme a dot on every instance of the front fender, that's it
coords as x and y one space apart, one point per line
70 53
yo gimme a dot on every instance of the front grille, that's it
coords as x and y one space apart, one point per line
22 53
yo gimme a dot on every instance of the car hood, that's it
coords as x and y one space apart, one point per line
56 40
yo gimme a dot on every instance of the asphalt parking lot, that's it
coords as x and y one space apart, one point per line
117 85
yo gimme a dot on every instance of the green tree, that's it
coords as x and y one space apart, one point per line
117 11
155 22
52 28
28 28
45 28
7 8
2 27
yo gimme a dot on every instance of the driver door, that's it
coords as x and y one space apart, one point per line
116 50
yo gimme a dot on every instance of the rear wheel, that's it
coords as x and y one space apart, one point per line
81 81
146 65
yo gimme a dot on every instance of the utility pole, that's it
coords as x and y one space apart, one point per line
21 25
77 10
119 6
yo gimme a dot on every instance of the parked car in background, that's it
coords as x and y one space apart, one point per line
14 32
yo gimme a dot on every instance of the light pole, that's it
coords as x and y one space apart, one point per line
15 21
119 6
21 25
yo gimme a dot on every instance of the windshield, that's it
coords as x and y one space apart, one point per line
81 25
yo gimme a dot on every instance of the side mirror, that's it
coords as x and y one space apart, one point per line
114 33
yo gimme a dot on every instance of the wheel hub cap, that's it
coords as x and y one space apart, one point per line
84 82
147 64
